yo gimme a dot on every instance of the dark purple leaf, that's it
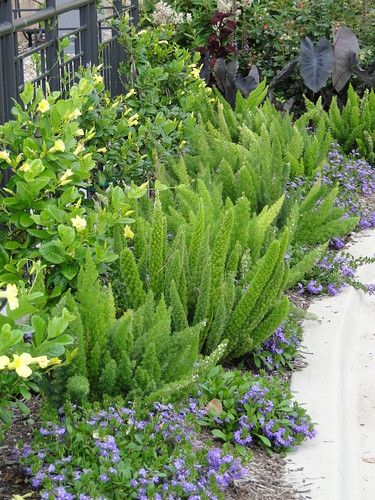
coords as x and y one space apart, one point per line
316 63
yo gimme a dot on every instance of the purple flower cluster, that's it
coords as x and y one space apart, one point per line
332 274
107 433
283 431
356 179
242 435
108 448
278 349
193 483
52 430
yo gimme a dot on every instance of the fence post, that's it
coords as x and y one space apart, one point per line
88 15
135 12
52 51
118 54
8 84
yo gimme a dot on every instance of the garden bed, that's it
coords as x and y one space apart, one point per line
159 252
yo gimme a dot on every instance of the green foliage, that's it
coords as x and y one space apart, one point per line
353 126
23 363
198 266
135 445
319 218
252 408
43 213
135 355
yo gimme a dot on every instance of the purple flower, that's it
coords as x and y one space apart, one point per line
313 287
332 289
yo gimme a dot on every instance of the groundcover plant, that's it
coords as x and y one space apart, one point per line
148 282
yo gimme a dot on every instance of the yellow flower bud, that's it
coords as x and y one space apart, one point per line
79 149
58 147
25 167
65 178
4 155
130 94
74 114
128 233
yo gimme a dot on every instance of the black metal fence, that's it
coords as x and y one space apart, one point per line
49 44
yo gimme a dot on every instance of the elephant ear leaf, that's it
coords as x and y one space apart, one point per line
225 75
345 52
249 83
316 63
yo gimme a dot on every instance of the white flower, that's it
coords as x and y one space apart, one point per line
79 223
165 14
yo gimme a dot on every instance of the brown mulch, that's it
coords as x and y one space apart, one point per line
12 479
266 480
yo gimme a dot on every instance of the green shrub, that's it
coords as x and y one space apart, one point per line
258 153
43 212
135 355
212 262
28 345
353 127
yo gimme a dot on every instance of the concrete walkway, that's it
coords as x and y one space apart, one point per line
338 389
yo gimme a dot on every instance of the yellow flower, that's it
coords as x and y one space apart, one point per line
58 147
25 167
43 106
21 364
128 233
130 93
64 179
11 294
4 155
102 150
41 360
79 149
195 72
133 120
79 223
79 132
98 79
4 361
74 114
